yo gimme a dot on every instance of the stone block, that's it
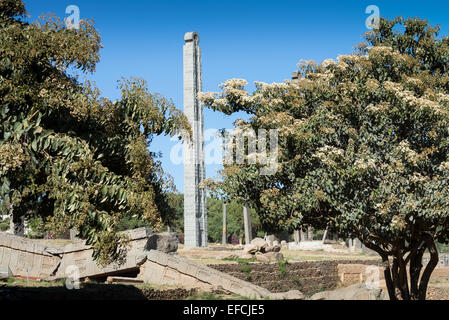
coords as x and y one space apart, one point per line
274 248
166 242
289 295
259 243
274 256
246 256
355 292
356 273
250 249
262 257
5 273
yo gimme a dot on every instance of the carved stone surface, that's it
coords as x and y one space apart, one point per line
166 242
5 273
195 212
161 268
45 259
355 292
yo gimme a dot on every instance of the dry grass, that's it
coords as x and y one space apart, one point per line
209 256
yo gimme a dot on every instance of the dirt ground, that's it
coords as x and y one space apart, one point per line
215 253
437 290
20 289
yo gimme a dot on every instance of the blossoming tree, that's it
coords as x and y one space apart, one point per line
363 149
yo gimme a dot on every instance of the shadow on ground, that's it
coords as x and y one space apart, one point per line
91 292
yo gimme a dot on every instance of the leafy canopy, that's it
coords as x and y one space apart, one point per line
67 154
363 147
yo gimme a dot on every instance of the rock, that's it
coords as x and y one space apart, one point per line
355 292
227 255
259 243
273 249
5 273
284 243
140 259
262 257
270 239
276 243
166 242
270 256
246 256
276 255
289 295
250 249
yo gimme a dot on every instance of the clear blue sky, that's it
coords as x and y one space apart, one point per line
257 40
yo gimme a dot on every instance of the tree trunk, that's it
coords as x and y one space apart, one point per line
395 272
296 237
430 243
415 268
247 224
310 233
387 276
223 236
324 235
387 267
418 287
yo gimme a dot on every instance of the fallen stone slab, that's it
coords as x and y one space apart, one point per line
269 256
49 260
274 248
166 242
227 255
270 239
5 273
26 257
79 255
355 292
245 256
115 279
250 249
259 243
356 273
289 295
164 269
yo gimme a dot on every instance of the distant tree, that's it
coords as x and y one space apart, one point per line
66 154
176 219
4 224
234 213
234 219
363 148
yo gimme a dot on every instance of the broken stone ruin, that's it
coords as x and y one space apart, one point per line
151 258
263 250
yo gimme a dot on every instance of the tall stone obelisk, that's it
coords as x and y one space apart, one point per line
195 210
